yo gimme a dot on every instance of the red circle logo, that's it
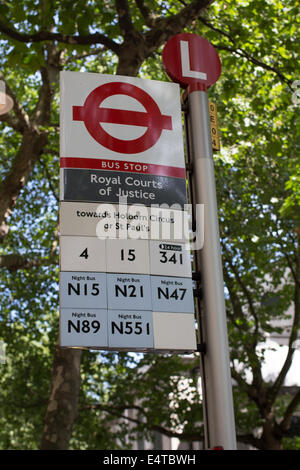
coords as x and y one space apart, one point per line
190 59
92 114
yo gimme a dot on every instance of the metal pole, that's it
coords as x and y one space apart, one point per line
219 402
196 275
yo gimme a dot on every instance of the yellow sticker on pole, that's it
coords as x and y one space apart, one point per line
214 129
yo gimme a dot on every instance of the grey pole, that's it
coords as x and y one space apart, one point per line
219 401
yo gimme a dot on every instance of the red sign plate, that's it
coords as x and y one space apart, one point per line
190 59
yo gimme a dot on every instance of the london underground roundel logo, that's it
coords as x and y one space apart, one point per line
92 114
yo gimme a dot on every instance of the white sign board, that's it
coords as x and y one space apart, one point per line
125 268
118 118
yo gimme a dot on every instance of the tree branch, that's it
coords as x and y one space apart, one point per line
146 12
239 379
42 36
48 176
246 293
21 120
256 391
11 121
165 27
237 309
15 261
33 140
293 405
125 21
91 52
251 440
32 146
289 261
50 74
273 392
243 53
195 436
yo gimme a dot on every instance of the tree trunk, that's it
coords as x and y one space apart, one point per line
63 401
270 441
272 433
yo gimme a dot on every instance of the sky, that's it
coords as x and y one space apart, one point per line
274 360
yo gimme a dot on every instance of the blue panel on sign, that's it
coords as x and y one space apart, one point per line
172 294
83 327
129 291
83 290
131 329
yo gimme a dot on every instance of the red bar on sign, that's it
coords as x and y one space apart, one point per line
116 165
119 116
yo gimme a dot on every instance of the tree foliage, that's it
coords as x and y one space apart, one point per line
257 173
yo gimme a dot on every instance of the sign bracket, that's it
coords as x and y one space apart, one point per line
201 347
